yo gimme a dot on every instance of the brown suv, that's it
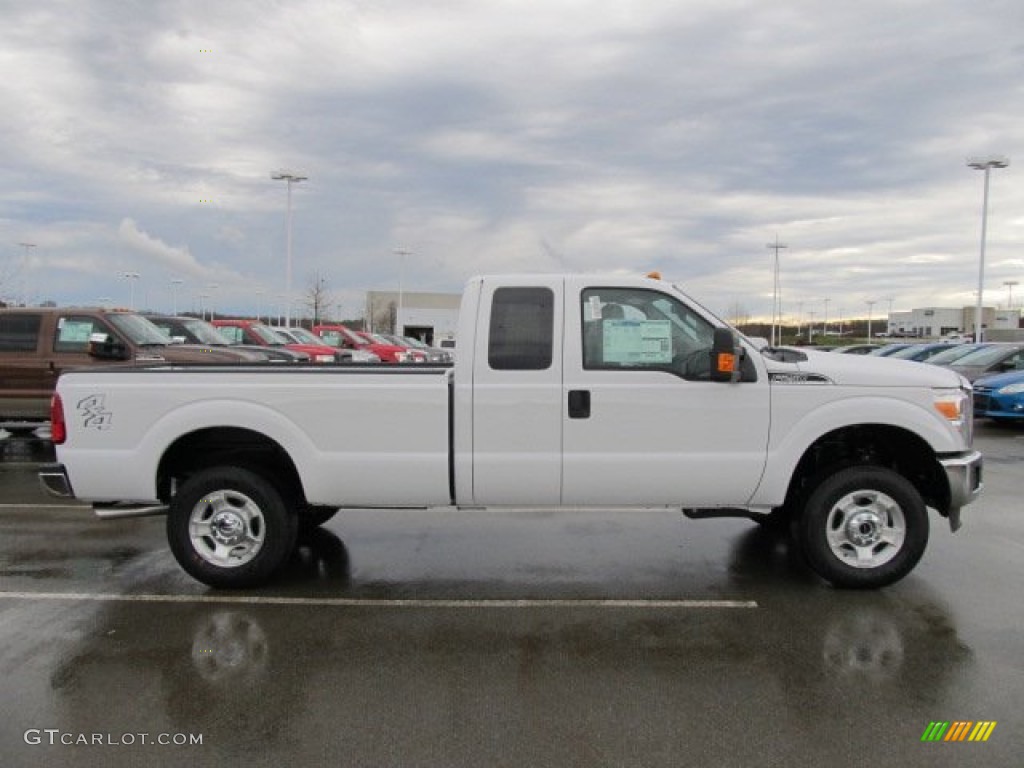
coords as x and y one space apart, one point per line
37 343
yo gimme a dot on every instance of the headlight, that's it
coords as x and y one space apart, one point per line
1011 389
956 406
324 358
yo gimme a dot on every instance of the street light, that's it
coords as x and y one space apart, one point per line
1009 292
985 164
26 264
776 294
259 303
212 288
290 178
401 269
176 283
131 277
871 305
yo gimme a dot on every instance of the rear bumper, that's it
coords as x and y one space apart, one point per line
964 476
54 479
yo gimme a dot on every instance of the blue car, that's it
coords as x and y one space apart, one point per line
1000 397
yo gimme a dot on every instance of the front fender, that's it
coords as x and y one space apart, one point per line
791 438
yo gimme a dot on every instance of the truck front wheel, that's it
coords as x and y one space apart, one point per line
863 528
228 527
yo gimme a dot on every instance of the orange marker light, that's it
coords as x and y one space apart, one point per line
948 408
654 275
726 362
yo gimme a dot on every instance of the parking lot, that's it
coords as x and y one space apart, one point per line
445 637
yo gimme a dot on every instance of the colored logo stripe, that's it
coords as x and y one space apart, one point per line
958 730
934 731
982 731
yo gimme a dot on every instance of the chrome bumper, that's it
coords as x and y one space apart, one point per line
963 474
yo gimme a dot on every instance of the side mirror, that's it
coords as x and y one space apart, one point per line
725 356
103 346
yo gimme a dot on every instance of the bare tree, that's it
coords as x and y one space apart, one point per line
318 298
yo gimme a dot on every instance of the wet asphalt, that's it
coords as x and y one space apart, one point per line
520 638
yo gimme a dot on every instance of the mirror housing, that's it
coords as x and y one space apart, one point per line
103 346
725 356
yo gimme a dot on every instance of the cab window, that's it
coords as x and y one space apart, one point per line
640 329
522 329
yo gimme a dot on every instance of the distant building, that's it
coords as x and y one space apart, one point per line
427 316
936 322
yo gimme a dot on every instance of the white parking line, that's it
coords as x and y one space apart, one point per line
355 602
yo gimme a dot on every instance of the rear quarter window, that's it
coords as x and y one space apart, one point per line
522 329
19 333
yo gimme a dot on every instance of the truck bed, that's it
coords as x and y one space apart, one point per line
358 436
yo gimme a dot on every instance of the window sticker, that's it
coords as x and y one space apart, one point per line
594 308
75 331
637 342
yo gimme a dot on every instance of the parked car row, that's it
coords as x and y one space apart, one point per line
995 369
38 343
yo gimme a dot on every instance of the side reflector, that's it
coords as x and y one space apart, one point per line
948 408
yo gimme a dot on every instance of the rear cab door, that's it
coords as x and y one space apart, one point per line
513 392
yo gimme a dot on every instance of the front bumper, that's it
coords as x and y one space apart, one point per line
964 477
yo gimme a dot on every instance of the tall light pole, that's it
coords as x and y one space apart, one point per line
212 288
1009 292
824 322
26 260
259 303
131 277
871 305
776 294
290 178
401 275
176 283
985 164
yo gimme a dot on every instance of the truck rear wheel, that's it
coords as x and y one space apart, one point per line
228 527
863 528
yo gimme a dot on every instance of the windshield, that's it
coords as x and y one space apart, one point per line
907 352
202 332
986 355
378 339
306 337
268 335
139 330
958 351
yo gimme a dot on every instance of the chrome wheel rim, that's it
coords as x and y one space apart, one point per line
227 528
866 529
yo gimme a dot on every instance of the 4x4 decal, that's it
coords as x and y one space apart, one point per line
94 413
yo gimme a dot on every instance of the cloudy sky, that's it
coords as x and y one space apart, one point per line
511 135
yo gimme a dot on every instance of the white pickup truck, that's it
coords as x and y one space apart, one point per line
569 391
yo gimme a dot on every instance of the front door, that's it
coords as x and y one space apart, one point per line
656 430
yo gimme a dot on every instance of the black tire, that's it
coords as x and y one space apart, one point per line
863 528
230 528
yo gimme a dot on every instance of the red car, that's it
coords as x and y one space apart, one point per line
252 332
345 338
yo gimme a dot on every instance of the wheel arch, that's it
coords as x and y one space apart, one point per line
228 446
871 444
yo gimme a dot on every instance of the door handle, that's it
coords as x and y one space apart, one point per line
579 404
